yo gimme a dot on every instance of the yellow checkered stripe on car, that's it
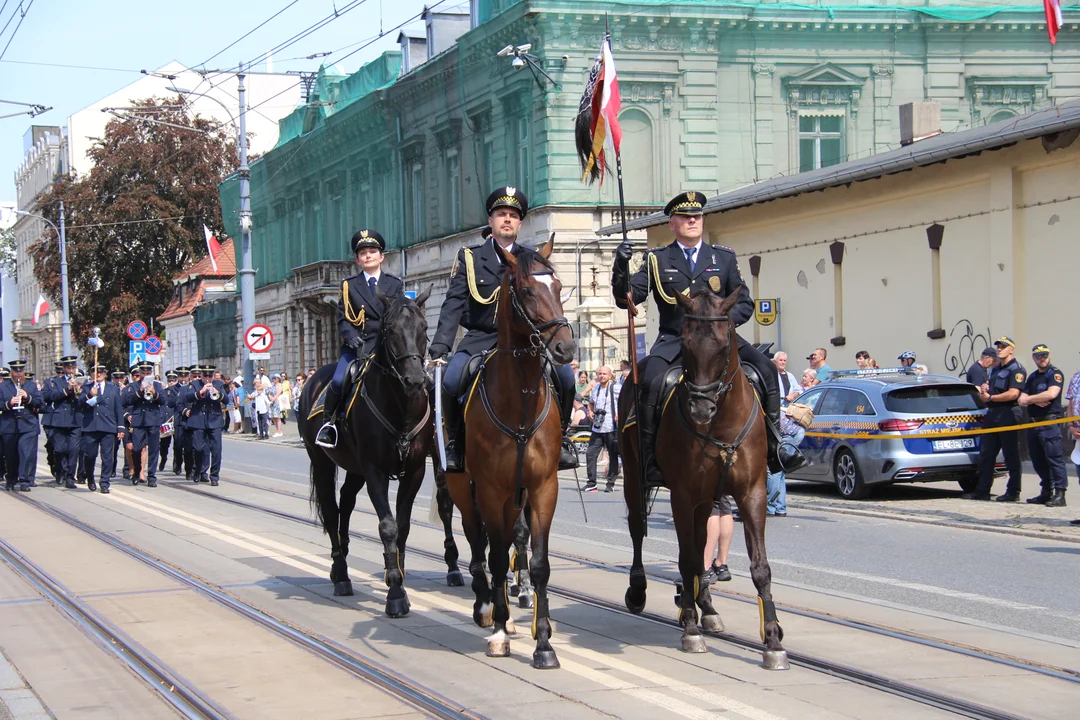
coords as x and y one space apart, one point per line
844 424
946 420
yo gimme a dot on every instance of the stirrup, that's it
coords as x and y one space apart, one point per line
328 435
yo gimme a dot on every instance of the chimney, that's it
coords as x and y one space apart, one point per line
918 121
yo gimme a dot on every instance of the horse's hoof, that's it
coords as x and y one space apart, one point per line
343 587
693 644
514 590
712 624
775 660
397 607
498 645
525 600
483 616
545 660
632 604
511 628
454 578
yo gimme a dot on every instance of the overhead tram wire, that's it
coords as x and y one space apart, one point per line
318 25
247 34
16 30
10 17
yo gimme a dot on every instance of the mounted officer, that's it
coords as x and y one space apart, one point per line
471 303
61 392
102 426
686 266
204 400
143 401
20 401
359 319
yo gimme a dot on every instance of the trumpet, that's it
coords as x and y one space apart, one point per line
148 389
214 394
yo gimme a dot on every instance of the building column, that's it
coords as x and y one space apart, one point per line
883 109
836 250
934 235
763 125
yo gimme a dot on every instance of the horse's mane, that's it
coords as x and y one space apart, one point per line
526 258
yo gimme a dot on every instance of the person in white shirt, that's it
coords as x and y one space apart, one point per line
604 404
789 386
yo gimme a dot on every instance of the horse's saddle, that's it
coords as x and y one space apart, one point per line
471 376
354 381
671 381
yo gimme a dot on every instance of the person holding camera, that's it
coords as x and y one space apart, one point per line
604 403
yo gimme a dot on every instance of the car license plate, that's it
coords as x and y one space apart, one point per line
958 444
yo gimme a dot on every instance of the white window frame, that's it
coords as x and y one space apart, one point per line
817 135
453 187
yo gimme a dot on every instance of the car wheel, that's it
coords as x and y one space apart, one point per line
848 477
969 484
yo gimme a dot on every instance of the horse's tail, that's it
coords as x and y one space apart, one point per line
323 477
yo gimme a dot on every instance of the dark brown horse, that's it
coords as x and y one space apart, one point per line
390 434
513 437
710 442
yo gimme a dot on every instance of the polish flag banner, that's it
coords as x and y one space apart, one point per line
1054 20
213 247
40 309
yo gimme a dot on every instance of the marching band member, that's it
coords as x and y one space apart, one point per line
171 389
102 427
143 401
204 400
62 392
20 400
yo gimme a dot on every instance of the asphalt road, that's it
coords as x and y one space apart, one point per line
993 579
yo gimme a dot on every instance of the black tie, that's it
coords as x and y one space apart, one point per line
371 282
689 257
787 383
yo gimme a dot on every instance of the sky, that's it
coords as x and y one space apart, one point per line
121 37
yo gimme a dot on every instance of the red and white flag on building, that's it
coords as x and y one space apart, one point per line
597 122
40 309
213 247
1053 19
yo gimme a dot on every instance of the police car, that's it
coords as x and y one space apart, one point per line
899 413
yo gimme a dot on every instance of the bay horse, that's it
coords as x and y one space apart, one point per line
704 454
513 438
390 433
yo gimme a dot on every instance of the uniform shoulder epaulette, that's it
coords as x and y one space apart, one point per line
725 247
391 275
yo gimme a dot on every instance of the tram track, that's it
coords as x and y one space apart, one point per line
840 671
188 701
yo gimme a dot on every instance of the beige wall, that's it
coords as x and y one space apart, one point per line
1005 261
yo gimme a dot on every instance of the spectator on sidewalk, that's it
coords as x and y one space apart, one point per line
979 372
274 398
718 533
809 379
624 372
817 362
262 411
297 390
776 483
286 398
236 414
789 386
1072 394
1042 397
862 359
604 403
906 358
583 388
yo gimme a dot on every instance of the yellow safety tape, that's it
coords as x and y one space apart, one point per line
945 432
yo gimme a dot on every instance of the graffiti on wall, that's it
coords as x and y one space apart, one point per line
965 346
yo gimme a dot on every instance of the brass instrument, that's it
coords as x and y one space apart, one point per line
148 389
215 394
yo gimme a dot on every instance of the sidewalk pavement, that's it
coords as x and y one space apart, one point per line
17 699
290 434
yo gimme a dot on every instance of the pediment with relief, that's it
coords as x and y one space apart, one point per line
825 74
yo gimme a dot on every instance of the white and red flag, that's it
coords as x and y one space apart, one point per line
213 247
40 309
1053 19
597 123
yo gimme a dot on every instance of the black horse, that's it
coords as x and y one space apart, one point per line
390 433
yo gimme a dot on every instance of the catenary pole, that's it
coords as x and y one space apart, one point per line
247 273
65 325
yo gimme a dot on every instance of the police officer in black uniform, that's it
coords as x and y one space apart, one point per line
1001 396
359 318
1042 398
687 265
203 401
102 425
471 302
62 391
143 403
20 401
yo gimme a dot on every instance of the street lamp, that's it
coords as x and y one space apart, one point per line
65 325
247 272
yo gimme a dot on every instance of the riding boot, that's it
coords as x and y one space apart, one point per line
455 435
568 457
647 421
784 456
328 433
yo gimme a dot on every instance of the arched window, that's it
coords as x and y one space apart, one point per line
639 176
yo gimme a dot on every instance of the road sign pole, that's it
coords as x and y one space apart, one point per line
779 328
247 272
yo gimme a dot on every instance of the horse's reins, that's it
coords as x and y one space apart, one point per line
404 437
537 345
716 391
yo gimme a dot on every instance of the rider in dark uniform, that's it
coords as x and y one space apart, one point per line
470 302
686 266
1001 395
359 319
1042 397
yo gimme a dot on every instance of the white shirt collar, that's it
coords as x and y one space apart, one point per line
696 248
377 275
509 249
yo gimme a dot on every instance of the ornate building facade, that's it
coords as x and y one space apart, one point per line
714 97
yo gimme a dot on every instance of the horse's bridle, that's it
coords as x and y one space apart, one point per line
718 388
536 337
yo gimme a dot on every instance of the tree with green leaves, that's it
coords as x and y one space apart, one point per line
136 219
